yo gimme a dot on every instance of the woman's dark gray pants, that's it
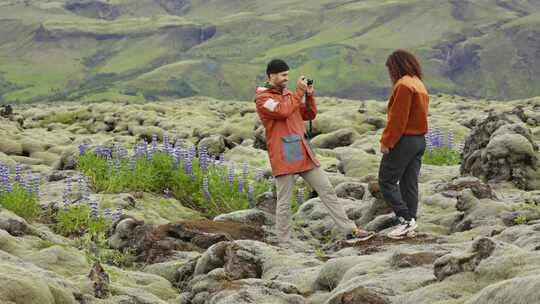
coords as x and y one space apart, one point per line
402 164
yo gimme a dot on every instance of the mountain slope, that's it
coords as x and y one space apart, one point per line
150 49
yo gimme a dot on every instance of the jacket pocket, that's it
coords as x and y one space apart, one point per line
292 148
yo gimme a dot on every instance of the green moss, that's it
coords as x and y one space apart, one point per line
65 117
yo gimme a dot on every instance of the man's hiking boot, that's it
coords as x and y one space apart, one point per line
358 235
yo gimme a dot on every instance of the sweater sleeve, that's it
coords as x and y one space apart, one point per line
398 116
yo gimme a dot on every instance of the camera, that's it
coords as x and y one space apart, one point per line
309 81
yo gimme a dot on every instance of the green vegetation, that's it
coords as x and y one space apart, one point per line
197 184
21 202
64 118
77 220
442 156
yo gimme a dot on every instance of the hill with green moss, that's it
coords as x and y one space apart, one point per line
141 50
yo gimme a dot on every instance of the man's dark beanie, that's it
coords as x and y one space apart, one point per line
276 66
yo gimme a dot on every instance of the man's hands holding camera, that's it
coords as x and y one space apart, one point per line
305 85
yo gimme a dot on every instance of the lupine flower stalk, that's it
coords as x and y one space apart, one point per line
301 196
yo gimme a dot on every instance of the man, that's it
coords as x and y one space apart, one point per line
282 114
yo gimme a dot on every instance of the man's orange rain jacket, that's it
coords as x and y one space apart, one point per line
282 115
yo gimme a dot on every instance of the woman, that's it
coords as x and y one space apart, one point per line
402 141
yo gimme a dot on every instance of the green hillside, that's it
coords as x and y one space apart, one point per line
138 50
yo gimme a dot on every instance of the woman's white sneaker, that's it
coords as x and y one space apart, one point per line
405 228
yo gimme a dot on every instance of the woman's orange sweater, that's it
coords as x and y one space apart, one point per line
407 111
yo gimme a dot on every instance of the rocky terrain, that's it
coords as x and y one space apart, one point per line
479 221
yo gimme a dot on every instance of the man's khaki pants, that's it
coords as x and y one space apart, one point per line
318 180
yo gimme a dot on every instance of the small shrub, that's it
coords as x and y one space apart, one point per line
20 201
442 157
440 150
521 219
77 220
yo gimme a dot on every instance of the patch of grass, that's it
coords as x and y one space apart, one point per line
123 259
77 221
96 249
21 202
521 219
442 156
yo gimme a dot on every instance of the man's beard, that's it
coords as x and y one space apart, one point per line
282 85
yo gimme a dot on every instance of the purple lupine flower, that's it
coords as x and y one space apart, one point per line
231 175
300 199
167 193
427 136
450 139
154 142
18 173
132 162
117 214
245 170
98 150
117 165
184 154
437 138
166 144
109 163
116 150
66 196
25 185
107 212
80 182
188 168
36 183
241 184
192 152
203 160
251 188
429 144
461 147
6 182
83 189
82 149
103 152
94 210
221 163
139 151
135 149
176 156
123 153
251 193
178 144
200 151
206 188
145 147
259 175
